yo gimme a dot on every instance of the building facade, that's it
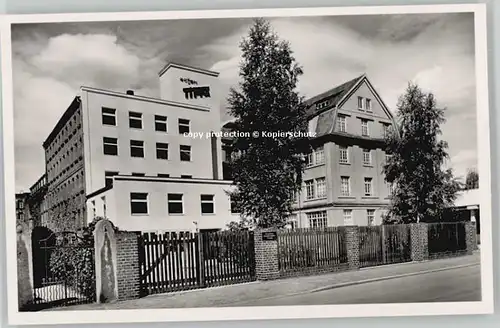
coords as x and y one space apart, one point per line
37 202
22 209
343 183
112 149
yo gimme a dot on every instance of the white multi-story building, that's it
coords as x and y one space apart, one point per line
129 157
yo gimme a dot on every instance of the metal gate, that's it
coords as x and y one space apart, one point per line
176 261
63 269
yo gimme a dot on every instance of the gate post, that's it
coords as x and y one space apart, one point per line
24 267
116 263
419 242
352 244
266 254
201 259
470 237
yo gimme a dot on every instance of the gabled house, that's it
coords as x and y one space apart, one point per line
343 181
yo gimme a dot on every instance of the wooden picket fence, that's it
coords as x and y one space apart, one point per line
384 244
175 261
446 239
308 249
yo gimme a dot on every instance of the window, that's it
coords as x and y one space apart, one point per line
293 221
368 104
175 205
110 146
386 128
345 188
390 188
94 214
343 154
317 219
207 204
136 174
387 158
309 189
183 126
135 120
364 128
316 157
161 150
108 116
370 216
136 148
185 152
234 206
108 177
319 156
186 176
160 123
367 157
360 103
163 175
138 203
342 123
320 188
368 187
322 104
348 218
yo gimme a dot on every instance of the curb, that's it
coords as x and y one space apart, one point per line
403 275
365 281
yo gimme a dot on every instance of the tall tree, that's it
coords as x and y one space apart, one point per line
472 180
268 170
422 189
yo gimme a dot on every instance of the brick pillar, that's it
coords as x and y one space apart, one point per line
127 253
266 254
470 236
116 263
419 242
352 244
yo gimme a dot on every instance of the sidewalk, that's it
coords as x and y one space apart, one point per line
235 294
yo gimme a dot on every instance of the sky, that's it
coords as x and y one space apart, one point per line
51 62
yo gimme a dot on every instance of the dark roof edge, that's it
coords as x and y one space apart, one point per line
75 104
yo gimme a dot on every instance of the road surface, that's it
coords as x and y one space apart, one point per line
462 284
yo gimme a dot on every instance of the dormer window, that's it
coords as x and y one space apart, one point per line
322 104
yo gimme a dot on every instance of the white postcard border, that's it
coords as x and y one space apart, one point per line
252 313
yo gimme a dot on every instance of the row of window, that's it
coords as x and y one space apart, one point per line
316 188
135 121
68 131
319 219
317 156
110 147
139 203
345 186
365 126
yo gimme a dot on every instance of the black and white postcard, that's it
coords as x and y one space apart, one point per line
247 164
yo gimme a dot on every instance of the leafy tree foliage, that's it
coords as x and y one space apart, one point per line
422 189
472 180
267 170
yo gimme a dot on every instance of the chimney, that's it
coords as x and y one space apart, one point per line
130 92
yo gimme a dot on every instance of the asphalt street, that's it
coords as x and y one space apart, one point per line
462 284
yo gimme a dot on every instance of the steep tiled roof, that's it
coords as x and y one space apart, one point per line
335 95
